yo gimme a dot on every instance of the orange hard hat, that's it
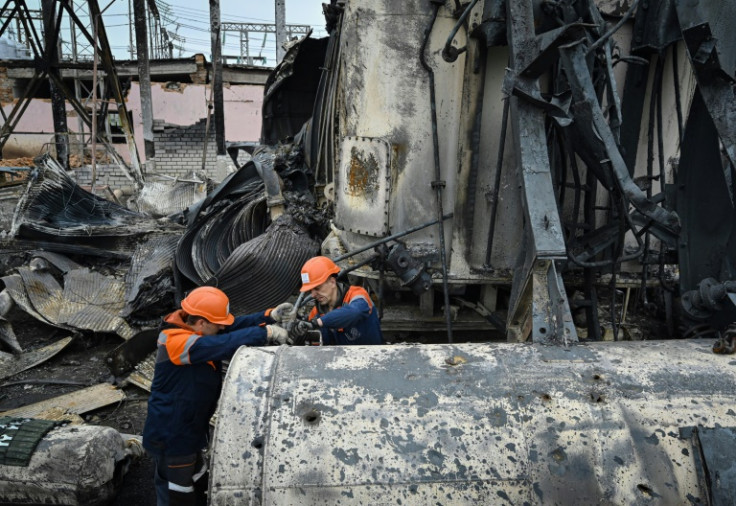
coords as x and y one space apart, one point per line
316 271
208 302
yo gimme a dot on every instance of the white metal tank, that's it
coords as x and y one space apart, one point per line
610 423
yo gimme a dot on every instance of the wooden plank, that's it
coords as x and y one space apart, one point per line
81 401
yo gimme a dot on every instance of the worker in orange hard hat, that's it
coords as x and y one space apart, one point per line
187 382
343 314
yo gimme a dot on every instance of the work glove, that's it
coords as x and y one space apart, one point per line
278 335
282 311
301 328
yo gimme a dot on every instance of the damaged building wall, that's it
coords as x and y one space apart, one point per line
179 148
174 102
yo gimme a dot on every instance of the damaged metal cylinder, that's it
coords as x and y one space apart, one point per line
475 424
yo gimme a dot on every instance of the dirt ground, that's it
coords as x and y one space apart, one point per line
81 364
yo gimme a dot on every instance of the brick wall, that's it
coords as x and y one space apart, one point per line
178 154
179 148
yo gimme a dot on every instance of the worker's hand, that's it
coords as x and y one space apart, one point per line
301 328
282 312
278 335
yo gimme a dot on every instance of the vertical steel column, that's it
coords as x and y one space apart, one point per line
280 29
51 18
538 307
144 79
217 78
117 90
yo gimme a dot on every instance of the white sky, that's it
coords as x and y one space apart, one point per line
190 19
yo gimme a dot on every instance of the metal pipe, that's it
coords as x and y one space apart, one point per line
497 182
613 30
391 238
450 54
437 184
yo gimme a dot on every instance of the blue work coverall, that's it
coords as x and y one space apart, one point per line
354 321
186 387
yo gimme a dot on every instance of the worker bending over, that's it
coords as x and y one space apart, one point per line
187 382
344 314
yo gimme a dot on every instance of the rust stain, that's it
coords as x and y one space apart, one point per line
362 174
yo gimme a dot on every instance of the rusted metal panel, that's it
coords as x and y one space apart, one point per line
363 186
467 423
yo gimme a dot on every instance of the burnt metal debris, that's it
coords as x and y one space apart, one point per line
583 190
554 189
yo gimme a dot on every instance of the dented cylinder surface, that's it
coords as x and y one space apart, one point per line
469 424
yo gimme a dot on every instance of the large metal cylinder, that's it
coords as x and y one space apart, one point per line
610 423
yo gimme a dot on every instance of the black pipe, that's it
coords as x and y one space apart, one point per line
678 100
449 53
497 182
437 184
391 238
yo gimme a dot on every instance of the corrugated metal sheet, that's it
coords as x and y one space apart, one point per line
166 198
81 401
237 212
265 270
93 301
87 300
54 207
61 262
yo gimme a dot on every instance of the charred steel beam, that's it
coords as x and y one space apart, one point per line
24 16
51 25
144 77
217 78
8 17
114 82
573 58
539 305
712 52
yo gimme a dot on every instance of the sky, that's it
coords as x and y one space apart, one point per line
189 21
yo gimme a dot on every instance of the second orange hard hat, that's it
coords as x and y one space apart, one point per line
316 271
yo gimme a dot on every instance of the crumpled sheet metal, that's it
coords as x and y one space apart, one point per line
63 263
220 229
164 199
225 231
265 270
468 424
149 282
88 300
53 205
8 339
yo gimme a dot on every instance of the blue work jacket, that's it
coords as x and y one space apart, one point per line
187 381
354 321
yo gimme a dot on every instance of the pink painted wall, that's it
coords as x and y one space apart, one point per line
242 104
